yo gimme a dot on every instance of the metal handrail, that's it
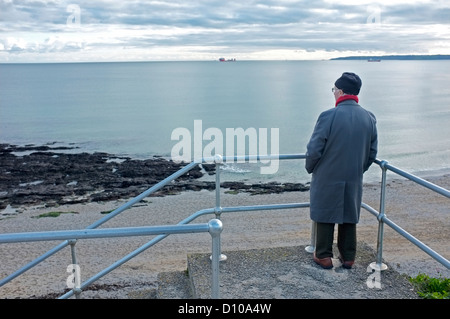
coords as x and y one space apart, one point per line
102 233
218 210
416 179
101 221
382 219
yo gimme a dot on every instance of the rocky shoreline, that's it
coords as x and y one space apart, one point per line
47 175
421 212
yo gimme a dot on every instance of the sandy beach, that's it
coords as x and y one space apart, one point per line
421 212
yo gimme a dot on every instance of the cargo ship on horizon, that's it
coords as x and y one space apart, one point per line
229 60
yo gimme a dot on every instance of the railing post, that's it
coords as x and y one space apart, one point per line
76 289
218 160
215 228
378 265
312 246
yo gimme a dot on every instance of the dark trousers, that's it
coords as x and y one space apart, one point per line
346 240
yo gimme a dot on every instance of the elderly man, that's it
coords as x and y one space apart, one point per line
342 147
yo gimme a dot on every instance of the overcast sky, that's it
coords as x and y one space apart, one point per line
132 30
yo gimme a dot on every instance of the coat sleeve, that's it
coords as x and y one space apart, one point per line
373 143
317 142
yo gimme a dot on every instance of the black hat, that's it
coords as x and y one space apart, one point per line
349 82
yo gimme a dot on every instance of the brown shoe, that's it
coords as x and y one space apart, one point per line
325 263
346 264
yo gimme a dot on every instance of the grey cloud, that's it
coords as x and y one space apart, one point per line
213 13
241 25
417 14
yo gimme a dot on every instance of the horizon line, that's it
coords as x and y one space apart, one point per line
354 57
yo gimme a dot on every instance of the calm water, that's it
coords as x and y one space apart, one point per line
132 108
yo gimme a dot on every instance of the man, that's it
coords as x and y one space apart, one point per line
342 147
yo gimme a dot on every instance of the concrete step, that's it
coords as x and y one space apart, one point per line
284 273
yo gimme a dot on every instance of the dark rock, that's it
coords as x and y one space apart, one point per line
44 176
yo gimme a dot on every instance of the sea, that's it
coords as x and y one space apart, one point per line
146 109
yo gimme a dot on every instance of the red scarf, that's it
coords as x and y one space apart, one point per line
346 97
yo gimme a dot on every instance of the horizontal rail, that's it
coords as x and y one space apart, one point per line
214 227
232 209
101 233
414 178
244 158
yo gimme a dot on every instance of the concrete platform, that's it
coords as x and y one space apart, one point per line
284 273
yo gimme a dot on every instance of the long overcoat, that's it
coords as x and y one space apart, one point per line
342 147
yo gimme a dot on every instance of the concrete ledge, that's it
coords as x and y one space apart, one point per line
285 273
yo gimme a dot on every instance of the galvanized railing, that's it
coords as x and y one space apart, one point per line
214 226
382 219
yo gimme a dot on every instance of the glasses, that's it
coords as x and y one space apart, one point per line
334 89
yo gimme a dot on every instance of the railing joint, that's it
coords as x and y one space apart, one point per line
383 164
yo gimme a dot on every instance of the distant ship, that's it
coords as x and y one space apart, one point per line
374 60
229 60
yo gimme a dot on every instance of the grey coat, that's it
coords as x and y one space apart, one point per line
342 147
